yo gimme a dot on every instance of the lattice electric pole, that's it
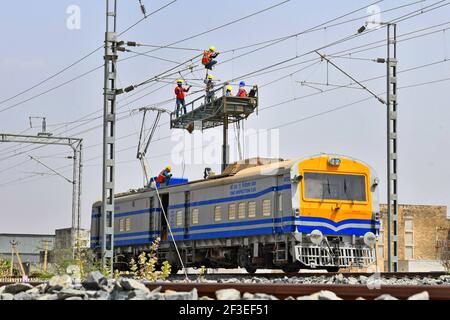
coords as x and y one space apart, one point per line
76 144
109 132
392 177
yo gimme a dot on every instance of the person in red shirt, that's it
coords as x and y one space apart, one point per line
242 92
179 93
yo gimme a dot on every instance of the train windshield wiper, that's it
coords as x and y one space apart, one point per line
328 188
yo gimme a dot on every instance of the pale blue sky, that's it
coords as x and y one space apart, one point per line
36 43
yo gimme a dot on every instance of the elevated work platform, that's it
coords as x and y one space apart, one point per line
204 115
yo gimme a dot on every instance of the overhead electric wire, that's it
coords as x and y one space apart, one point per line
99 126
283 125
79 60
405 16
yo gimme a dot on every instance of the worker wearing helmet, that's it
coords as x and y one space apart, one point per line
228 92
179 93
209 81
165 175
242 92
208 56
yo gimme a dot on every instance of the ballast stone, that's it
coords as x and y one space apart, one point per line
131 284
6 296
94 281
420 296
57 283
386 297
17 287
69 293
228 294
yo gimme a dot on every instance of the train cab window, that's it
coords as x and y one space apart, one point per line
179 218
241 210
232 211
252 209
266 208
217 213
133 203
194 216
127 224
121 225
330 186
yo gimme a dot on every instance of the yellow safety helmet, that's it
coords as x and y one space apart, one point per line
179 81
212 48
210 76
229 88
169 168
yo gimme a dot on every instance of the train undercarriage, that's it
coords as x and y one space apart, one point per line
256 252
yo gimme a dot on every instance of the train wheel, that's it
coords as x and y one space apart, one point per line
291 268
251 269
332 269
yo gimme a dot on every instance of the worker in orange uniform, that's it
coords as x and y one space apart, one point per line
164 176
208 56
242 92
179 93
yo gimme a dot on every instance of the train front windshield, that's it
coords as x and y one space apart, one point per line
328 186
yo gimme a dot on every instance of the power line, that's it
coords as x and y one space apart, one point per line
80 59
93 128
347 105
342 40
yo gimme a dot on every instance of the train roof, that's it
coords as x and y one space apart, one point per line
239 170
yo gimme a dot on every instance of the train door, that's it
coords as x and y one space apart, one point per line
187 200
151 216
279 205
163 220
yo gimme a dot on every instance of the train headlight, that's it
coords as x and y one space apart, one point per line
316 237
370 239
335 162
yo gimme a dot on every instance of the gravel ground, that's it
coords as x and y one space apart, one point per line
320 279
97 287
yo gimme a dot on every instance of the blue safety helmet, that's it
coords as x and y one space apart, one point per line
242 84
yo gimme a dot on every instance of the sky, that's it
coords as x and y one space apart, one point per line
297 115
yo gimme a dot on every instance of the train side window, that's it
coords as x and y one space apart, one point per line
266 208
241 210
179 218
232 211
280 202
217 213
121 225
127 224
133 203
252 209
194 216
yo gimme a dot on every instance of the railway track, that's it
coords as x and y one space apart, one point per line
283 291
385 275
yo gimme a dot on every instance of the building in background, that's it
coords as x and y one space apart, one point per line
423 238
63 238
31 247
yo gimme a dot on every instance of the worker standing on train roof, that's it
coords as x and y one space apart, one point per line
209 88
208 56
179 93
242 92
228 92
165 175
